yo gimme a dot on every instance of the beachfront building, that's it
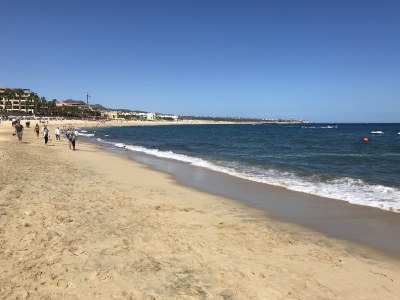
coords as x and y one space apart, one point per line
135 115
148 116
173 118
74 103
17 100
151 116
77 109
109 114
128 115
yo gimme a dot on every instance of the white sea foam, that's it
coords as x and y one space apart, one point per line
354 191
120 145
86 134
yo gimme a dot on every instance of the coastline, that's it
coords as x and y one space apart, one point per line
75 225
370 226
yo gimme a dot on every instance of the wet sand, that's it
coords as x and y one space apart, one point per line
89 224
373 227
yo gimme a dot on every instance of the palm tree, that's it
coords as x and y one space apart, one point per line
53 106
36 101
8 94
43 105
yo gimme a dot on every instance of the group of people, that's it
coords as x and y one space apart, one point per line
71 133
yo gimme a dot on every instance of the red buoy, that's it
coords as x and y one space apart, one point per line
366 140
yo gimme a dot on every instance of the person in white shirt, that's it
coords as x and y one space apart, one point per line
57 133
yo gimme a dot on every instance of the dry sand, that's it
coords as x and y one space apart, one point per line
88 224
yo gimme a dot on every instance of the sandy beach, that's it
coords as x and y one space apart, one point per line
89 224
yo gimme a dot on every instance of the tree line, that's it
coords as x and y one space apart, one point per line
42 106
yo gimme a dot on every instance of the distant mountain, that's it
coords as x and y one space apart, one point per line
101 107
76 102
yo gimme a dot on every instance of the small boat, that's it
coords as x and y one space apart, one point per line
376 132
331 126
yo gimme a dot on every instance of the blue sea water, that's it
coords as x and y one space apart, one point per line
310 158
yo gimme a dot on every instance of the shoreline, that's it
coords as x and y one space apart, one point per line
350 188
75 225
332 217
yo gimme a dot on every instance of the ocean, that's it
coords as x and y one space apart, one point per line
311 158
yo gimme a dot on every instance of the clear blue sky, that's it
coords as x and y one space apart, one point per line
333 61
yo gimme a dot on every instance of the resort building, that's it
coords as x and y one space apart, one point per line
74 103
151 116
110 114
134 115
147 116
130 115
168 117
16 100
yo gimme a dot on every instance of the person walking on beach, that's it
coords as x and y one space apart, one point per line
57 133
74 136
37 129
46 134
68 134
19 128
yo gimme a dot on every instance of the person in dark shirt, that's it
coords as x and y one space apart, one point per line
37 129
46 134
19 128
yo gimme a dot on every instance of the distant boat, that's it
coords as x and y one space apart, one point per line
376 132
331 126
